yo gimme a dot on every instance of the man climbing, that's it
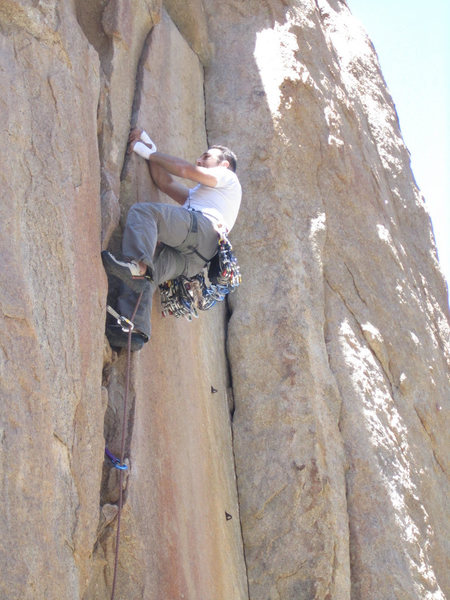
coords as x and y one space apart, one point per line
163 241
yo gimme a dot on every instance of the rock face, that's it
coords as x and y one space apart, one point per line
289 445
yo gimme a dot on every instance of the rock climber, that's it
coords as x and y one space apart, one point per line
163 241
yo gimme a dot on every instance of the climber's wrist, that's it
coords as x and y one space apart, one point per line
143 150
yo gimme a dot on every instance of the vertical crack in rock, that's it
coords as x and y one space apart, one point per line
113 430
228 313
115 369
381 363
206 112
231 408
327 340
239 508
430 437
240 521
346 465
113 434
138 94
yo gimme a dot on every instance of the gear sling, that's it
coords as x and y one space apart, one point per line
183 296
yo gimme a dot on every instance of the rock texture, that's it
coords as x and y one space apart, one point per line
340 480
52 301
290 445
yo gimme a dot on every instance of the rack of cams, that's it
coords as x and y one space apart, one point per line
184 297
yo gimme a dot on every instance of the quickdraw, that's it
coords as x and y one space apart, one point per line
124 323
115 461
183 297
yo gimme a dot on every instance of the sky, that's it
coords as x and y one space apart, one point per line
412 41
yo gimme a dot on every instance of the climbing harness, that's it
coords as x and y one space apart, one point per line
183 296
119 464
188 246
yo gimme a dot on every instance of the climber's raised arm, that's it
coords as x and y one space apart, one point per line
141 143
167 184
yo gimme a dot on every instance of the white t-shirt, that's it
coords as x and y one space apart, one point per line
220 204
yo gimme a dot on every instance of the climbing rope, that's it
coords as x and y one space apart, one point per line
119 464
183 296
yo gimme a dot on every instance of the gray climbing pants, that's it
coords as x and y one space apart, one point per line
172 241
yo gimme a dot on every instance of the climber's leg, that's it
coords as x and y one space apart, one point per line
170 225
149 223
167 265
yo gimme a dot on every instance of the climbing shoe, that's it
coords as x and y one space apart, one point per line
118 338
128 272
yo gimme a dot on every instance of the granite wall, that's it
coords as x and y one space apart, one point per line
289 444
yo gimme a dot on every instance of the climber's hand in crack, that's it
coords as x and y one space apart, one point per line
134 136
139 139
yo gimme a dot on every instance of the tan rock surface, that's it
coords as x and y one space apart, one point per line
332 357
342 249
117 30
52 300
182 480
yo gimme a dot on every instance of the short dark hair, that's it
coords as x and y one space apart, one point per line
228 155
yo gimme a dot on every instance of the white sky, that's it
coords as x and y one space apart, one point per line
413 45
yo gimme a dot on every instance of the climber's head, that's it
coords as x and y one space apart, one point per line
218 156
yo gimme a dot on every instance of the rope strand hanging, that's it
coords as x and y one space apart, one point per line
122 447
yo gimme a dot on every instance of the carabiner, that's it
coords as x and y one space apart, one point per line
125 324
115 461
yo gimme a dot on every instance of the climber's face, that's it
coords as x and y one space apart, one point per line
211 158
